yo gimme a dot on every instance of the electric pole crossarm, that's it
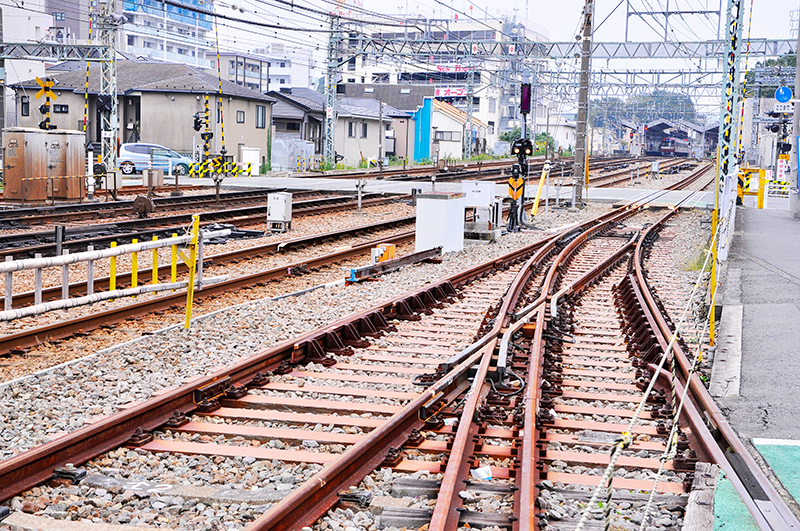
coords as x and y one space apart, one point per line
52 52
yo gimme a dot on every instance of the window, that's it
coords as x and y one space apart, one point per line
25 106
491 128
130 40
492 105
261 116
363 130
239 117
58 16
292 126
61 109
283 65
448 136
282 81
351 129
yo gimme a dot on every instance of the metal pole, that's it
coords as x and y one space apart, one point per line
381 134
330 94
37 282
90 273
583 108
65 279
9 283
794 189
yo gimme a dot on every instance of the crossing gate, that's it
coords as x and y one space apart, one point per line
217 166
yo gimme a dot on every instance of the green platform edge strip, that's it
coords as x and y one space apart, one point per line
730 512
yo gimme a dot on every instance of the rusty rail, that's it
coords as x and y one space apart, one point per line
759 495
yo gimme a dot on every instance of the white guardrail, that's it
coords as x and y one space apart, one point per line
64 261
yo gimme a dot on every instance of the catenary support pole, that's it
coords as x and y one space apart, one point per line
583 107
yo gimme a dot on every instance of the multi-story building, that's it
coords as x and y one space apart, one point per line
70 19
288 66
167 32
495 80
246 70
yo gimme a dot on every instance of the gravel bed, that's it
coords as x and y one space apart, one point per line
301 227
64 398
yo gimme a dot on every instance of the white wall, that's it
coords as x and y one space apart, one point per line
444 122
23 25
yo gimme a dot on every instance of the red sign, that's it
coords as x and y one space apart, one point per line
454 68
450 92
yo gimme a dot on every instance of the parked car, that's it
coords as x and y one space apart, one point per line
134 158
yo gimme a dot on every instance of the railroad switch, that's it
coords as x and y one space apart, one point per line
70 472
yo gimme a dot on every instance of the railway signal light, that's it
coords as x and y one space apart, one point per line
525 98
198 122
522 147
784 147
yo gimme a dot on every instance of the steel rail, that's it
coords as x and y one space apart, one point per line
760 496
124 279
35 466
242 216
59 330
41 214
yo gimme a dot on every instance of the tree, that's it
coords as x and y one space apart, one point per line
642 108
753 90
512 135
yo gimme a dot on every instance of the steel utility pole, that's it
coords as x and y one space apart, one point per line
728 167
470 98
108 22
794 189
583 108
329 151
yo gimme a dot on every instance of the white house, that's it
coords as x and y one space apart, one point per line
449 132
30 24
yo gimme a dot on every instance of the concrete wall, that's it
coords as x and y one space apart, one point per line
404 137
354 148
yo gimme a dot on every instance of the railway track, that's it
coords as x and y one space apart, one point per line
27 244
489 398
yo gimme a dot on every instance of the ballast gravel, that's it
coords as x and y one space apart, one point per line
62 399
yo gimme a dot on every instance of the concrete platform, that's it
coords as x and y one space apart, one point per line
603 195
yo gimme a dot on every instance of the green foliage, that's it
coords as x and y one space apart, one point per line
363 163
659 104
511 136
753 90
425 161
267 165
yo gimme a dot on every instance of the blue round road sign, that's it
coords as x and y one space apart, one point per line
783 94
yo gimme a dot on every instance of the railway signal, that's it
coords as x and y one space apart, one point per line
45 91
